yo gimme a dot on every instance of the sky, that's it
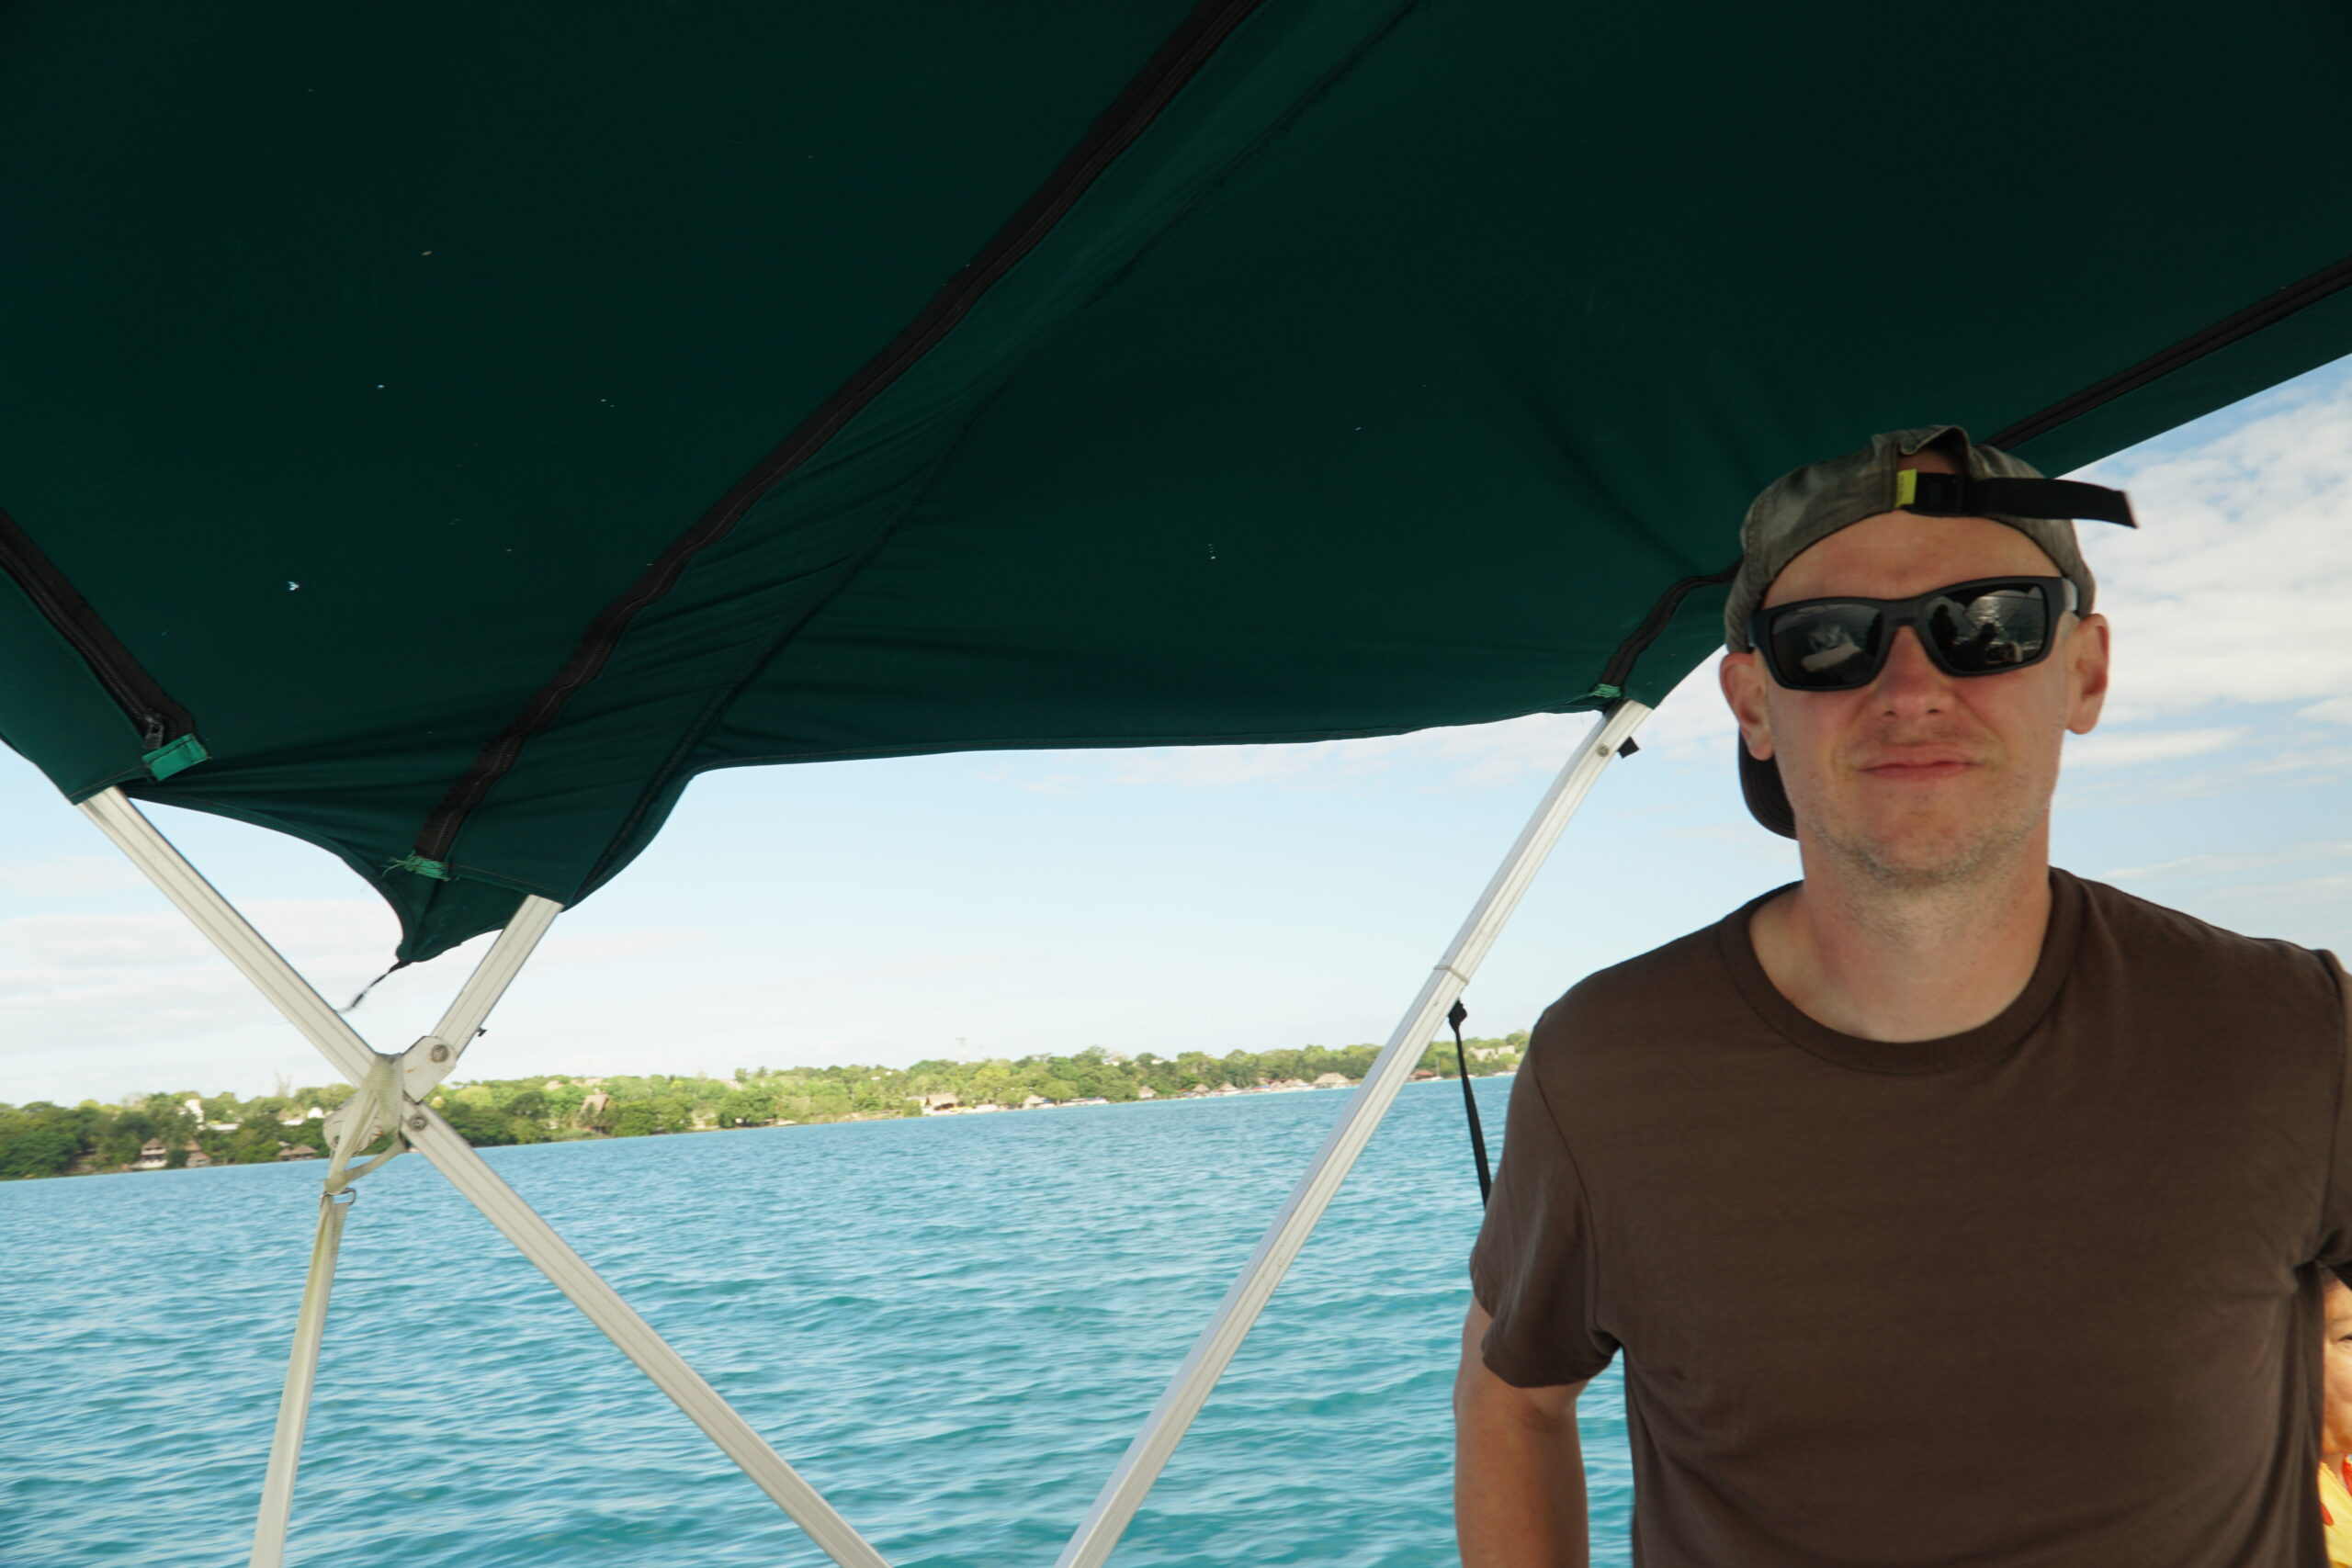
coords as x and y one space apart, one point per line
1237 897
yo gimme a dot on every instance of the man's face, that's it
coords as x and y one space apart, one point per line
2335 1366
1920 778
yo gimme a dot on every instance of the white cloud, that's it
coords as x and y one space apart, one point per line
2269 763
2104 749
139 996
1219 767
2313 910
2334 710
309 931
2232 864
123 982
2232 589
596 949
2317 905
68 876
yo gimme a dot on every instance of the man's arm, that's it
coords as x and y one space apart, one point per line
1518 1468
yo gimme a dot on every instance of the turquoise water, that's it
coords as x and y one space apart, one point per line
951 1326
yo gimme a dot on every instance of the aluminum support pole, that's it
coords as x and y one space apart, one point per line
432 1138
1141 1465
434 1057
294 1402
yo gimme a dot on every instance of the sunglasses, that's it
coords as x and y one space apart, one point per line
1989 627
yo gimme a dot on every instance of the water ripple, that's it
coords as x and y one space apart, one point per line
951 1326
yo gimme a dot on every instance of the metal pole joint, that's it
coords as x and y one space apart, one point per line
424 1065
432 1138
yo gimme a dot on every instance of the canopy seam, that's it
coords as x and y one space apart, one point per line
715 708
712 713
142 697
1149 92
2234 327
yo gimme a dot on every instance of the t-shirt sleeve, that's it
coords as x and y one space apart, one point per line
2335 1216
1533 1266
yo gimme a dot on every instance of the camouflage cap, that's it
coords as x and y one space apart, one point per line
1800 509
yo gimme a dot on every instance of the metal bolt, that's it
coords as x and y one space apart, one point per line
416 1123
440 1051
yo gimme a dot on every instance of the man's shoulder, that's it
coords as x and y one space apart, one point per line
2182 966
2144 930
1641 995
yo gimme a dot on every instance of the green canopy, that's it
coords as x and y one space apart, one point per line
438 432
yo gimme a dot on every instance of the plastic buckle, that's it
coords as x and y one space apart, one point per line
1933 495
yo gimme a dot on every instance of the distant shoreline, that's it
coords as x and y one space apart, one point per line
187 1131
845 1121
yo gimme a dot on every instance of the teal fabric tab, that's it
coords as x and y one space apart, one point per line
1606 692
178 756
421 866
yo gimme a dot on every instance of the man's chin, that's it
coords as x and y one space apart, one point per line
1919 847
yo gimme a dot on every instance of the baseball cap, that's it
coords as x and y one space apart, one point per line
1807 505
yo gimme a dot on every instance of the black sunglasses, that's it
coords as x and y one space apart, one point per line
1989 627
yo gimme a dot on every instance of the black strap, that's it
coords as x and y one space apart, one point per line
1470 1102
1956 495
354 1004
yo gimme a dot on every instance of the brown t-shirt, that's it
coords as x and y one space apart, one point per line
2040 1293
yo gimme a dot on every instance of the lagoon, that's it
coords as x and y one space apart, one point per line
951 1325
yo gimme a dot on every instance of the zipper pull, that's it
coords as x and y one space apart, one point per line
151 726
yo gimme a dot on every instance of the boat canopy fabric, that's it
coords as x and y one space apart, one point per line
438 432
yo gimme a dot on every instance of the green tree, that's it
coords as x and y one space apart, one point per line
43 1139
480 1124
37 1151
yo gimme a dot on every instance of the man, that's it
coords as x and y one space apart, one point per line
2336 1424
1855 1177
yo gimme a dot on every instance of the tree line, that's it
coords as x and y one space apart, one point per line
169 1130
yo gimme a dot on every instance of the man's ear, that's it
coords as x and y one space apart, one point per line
1742 677
2087 666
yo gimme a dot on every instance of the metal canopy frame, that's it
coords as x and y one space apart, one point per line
431 1136
423 1064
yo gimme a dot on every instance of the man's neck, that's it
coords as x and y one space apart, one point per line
1906 964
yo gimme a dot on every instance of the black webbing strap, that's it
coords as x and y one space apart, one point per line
1956 495
371 986
1470 1102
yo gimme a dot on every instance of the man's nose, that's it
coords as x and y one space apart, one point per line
1910 682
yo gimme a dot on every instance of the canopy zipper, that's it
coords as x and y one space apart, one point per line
2271 309
1611 683
1138 104
166 732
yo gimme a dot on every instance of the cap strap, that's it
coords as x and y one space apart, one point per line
1958 495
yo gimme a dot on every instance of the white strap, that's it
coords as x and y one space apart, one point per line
379 1099
294 1405
353 1126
